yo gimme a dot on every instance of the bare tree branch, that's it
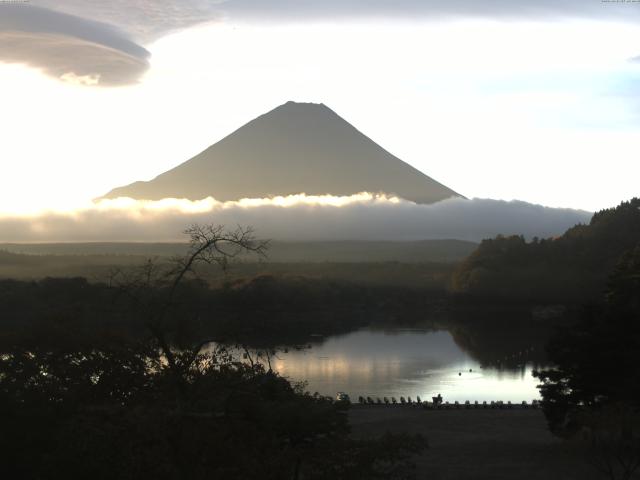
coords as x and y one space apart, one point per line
209 244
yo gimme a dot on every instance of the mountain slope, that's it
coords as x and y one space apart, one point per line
296 148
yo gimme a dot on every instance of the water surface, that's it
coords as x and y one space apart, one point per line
403 363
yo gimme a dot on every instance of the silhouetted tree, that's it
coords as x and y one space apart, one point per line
102 400
594 384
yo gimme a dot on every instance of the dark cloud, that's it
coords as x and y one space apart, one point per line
69 47
358 220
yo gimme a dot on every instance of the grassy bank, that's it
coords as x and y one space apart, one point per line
479 444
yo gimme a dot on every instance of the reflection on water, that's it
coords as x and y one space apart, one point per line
403 363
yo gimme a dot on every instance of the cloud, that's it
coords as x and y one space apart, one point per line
359 217
90 41
69 47
521 9
145 20
150 19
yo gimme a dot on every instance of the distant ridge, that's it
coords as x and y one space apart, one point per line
447 250
295 148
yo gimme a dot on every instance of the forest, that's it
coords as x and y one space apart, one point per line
570 269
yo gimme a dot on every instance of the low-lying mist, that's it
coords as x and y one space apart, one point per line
294 218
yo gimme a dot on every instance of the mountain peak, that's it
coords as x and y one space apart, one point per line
301 107
291 103
295 148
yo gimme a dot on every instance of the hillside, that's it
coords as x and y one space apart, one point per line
572 267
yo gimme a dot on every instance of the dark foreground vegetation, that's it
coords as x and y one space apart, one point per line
593 386
118 410
119 381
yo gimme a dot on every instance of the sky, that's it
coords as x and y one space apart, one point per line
537 101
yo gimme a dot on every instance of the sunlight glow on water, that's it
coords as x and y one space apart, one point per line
403 363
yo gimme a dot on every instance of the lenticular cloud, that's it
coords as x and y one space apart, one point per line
68 47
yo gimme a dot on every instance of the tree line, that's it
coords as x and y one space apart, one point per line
572 268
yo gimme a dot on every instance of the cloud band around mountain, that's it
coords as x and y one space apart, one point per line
295 218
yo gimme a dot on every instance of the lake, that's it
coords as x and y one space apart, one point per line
404 362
